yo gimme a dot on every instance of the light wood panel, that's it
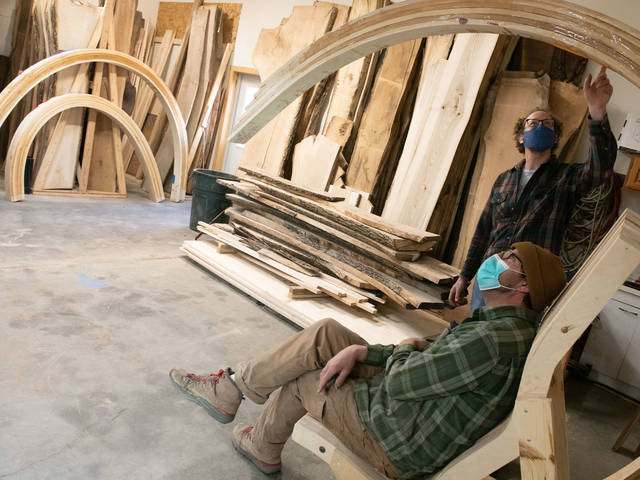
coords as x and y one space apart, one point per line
431 147
517 95
26 132
380 121
565 24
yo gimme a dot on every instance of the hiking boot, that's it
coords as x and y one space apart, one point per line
243 443
216 392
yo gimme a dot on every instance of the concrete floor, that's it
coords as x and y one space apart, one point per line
98 304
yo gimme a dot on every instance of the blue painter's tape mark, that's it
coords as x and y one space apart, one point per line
83 279
173 178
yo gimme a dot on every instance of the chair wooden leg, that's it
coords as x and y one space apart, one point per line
626 431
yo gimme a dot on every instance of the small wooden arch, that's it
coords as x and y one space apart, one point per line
18 88
35 120
570 26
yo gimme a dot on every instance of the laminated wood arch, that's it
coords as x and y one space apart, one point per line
20 86
35 120
567 25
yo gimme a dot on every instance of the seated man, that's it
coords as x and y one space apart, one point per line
408 409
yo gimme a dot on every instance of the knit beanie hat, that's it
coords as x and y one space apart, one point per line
544 271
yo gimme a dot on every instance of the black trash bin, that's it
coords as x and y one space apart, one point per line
208 196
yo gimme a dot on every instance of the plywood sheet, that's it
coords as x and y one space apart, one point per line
175 15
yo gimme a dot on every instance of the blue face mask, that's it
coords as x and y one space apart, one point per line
539 139
488 276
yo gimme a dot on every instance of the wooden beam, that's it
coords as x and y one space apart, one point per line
32 76
586 32
26 132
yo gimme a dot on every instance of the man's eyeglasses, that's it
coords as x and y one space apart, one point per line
534 122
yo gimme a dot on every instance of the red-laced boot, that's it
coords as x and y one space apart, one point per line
216 392
243 442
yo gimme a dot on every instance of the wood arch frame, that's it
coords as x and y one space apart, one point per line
23 83
35 120
567 25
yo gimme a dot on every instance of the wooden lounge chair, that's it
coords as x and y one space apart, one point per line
536 429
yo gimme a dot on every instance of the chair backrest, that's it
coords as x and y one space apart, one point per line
604 271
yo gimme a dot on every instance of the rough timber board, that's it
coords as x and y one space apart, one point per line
516 97
314 160
271 146
377 128
391 324
61 155
422 171
188 87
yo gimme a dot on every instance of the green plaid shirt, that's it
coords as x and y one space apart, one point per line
428 407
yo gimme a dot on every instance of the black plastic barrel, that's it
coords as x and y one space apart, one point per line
208 196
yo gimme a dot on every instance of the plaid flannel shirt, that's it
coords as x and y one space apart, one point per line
427 407
542 211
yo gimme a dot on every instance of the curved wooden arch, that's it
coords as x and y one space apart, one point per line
567 25
35 120
20 86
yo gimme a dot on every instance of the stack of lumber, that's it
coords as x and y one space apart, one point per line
85 153
365 258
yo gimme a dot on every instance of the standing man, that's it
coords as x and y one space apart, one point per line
533 201
407 409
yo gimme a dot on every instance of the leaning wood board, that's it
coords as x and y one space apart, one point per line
424 166
516 97
390 324
350 79
188 87
61 155
271 146
376 131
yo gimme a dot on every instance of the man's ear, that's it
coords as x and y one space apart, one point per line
521 139
523 287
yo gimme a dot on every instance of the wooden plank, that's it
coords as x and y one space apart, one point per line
145 95
313 284
59 162
516 97
175 16
314 161
213 94
96 89
266 177
272 145
363 241
442 114
567 103
350 79
339 130
188 86
562 23
442 219
352 220
398 291
379 121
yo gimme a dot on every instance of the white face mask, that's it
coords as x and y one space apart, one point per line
488 276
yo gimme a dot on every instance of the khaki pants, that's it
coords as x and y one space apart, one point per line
288 376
